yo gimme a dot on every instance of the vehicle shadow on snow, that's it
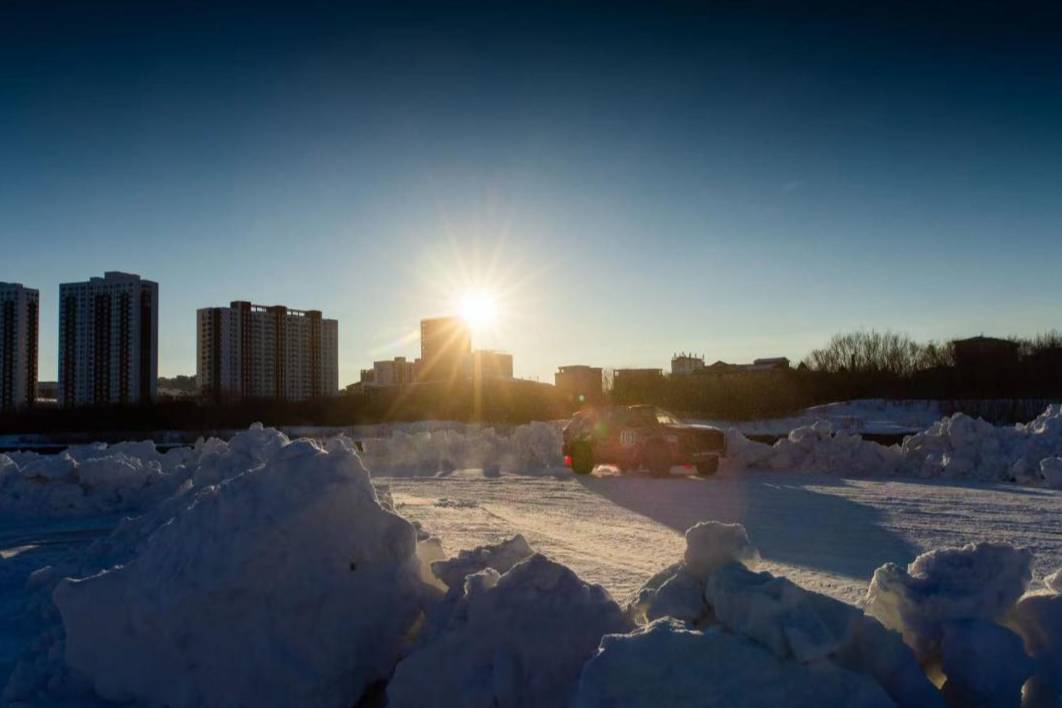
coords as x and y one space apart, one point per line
789 523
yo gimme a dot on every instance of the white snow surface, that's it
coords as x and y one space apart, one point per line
266 571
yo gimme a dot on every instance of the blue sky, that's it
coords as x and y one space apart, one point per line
737 179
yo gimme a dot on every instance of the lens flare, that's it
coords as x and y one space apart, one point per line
479 309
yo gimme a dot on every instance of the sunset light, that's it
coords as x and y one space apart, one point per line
479 309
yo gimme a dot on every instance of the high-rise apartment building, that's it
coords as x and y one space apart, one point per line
248 351
108 341
18 346
445 348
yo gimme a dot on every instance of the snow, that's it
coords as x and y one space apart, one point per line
276 572
792 623
499 557
285 585
668 664
985 664
959 447
977 581
711 545
515 639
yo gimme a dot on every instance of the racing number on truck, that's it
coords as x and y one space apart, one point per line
628 438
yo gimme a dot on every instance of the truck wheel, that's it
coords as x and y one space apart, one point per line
658 460
582 459
708 467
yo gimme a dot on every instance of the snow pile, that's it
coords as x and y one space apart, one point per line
958 447
815 448
950 605
713 588
1037 618
286 585
513 639
529 448
128 476
668 664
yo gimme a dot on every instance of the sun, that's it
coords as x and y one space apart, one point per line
479 309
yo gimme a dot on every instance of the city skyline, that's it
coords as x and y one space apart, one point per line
742 180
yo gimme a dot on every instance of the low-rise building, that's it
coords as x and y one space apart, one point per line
686 364
579 382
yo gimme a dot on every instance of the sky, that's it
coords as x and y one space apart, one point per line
735 179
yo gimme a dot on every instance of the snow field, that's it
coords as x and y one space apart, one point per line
271 572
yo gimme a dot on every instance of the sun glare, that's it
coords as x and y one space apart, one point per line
479 310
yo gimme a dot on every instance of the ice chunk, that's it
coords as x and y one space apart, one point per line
501 557
788 620
805 626
710 545
1038 619
977 581
52 468
1051 471
1053 582
667 664
286 585
985 664
518 639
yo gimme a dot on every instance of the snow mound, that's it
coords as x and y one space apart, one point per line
678 591
712 586
958 447
949 605
666 663
978 581
285 585
517 639
125 477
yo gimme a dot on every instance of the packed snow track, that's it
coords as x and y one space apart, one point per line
824 532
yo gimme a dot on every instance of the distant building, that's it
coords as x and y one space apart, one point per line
767 365
686 364
248 351
108 340
485 364
985 353
396 372
636 385
581 383
19 319
445 345
778 363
